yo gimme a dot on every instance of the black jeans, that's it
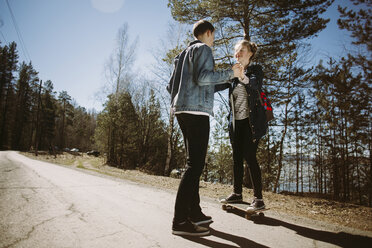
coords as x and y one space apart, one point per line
195 130
245 148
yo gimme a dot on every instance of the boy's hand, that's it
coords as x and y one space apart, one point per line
238 70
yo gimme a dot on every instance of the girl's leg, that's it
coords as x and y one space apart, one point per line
254 168
238 152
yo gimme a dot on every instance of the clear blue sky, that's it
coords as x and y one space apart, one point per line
69 41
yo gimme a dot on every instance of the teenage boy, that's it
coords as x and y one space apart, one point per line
192 91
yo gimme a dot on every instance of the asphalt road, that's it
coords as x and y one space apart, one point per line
46 205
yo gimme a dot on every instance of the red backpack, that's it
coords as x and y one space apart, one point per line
265 102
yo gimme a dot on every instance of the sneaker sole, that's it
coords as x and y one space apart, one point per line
255 209
227 202
202 222
183 233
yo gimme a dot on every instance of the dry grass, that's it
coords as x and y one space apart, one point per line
343 214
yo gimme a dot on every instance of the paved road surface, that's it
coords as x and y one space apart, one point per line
46 205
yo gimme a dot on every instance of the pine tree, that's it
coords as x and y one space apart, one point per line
276 26
266 156
358 22
291 83
65 113
25 101
38 110
116 132
152 135
8 65
49 112
101 132
221 164
28 108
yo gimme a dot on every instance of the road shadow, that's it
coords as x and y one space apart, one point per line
240 241
341 239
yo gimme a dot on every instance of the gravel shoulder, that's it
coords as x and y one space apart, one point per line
321 211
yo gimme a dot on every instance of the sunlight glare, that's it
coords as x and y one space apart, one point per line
107 6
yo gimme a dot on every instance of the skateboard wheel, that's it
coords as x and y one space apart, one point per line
224 207
248 216
229 208
261 215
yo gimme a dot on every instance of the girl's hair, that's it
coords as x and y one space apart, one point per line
250 45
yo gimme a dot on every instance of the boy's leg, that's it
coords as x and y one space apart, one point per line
195 206
198 151
195 129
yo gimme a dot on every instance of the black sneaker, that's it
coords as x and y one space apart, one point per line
256 204
189 229
232 198
201 219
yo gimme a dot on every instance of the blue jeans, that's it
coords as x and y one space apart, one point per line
195 130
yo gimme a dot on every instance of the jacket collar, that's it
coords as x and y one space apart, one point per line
194 42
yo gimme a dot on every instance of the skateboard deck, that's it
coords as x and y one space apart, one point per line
242 206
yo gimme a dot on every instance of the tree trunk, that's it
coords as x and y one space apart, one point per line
320 165
301 169
280 160
168 160
38 120
308 172
297 146
343 158
336 186
3 125
268 153
370 166
347 161
356 162
63 125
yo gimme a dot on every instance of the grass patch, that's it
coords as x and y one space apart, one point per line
80 164
83 161
65 161
95 162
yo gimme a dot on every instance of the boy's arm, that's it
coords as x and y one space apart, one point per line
204 73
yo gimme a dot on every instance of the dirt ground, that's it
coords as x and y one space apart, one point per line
349 215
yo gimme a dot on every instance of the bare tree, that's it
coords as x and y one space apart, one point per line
117 70
176 40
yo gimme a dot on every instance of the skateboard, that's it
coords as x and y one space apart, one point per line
242 206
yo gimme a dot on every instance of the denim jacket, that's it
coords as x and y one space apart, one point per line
257 115
193 80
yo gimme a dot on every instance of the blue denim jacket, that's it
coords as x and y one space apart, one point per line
197 79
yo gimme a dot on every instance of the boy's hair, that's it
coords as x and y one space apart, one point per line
201 27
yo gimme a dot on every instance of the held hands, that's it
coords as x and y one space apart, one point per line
238 71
